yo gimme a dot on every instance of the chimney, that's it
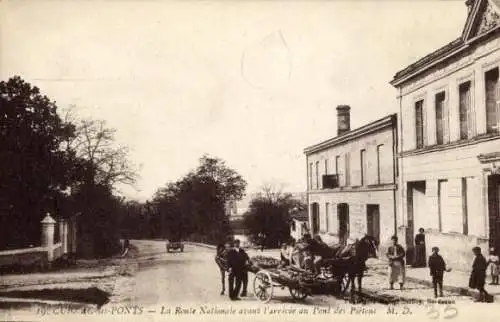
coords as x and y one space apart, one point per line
343 119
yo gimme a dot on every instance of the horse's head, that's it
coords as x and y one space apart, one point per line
367 247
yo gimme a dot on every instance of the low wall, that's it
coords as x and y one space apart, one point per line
24 257
456 249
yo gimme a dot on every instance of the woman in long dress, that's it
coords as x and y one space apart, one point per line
420 259
397 270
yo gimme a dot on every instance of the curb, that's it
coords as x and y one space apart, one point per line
464 291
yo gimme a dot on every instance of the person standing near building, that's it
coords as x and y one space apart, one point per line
397 270
420 249
478 275
437 268
494 263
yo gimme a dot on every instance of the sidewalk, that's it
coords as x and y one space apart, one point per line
454 281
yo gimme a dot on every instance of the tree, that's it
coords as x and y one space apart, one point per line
194 206
269 213
36 170
94 144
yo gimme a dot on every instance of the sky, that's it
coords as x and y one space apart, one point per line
251 82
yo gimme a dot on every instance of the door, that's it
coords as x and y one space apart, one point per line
315 218
373 221
494 209
343 215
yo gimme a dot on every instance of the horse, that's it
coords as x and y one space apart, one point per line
351 261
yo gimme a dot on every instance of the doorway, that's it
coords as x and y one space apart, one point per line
494 209
315 218
343 215
373 221
416 209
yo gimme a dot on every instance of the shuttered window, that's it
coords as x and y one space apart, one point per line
492 101
364 166
317 174
310 175
440 117
379 163
419 124
347 170
465 110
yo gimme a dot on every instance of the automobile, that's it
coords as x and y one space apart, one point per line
175 245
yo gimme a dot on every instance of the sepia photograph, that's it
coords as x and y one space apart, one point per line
260 160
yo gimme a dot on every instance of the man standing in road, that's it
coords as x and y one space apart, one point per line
236 270
245 261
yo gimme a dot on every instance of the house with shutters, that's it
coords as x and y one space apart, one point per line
449 125
352 181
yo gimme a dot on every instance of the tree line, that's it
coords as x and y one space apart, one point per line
58 163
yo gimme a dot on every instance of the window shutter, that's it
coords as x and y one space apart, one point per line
470 116
446 124
497 114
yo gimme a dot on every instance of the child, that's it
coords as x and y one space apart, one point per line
437 268
494 263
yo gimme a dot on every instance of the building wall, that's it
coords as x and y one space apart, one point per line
357 201
383 140
455 161
377 187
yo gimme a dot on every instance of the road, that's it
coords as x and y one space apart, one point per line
155 285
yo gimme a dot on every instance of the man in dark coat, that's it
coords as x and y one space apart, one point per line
437 268
235 273
244 262
478 274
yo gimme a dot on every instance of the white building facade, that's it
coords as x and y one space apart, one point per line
450 141
352 181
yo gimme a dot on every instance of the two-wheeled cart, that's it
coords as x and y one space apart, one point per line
300 283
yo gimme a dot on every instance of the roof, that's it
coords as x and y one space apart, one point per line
470 34
369 128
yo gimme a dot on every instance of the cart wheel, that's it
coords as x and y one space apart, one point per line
263 286
344 283
297 294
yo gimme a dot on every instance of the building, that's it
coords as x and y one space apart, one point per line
352 181
450 140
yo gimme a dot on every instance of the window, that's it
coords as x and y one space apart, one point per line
379 156
338 170
327 214
464 106
363 165
440 117
442 198
326 166
317 174
419 124
347 173
465 219
492 100
310 175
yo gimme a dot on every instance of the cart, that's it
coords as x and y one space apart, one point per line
300 283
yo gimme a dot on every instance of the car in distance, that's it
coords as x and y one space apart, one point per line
175 245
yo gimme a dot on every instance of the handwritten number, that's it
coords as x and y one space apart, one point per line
450 312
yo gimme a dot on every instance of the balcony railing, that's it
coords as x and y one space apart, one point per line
330 181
